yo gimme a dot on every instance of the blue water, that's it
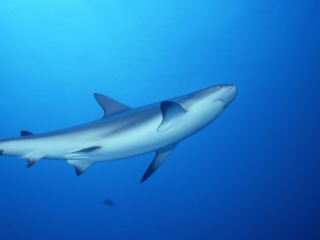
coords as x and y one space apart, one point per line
254 173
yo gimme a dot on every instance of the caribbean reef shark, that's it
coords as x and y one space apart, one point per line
125 132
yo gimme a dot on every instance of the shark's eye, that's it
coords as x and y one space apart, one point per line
219 87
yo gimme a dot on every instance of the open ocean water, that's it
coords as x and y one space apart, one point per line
254 173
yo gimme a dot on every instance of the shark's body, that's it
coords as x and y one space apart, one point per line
124 132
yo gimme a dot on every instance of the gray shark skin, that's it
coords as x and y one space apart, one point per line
124 132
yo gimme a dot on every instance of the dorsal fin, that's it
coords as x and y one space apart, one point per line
109 105
25 133
171 113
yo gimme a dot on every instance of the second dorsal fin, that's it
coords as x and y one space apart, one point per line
109 105
25 133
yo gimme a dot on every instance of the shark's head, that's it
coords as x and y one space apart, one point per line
190 113
224 93
201 107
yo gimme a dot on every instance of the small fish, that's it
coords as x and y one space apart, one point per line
108 202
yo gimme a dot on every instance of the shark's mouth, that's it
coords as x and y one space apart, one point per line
218 107
221 101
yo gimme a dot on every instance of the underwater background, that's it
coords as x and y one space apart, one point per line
254 173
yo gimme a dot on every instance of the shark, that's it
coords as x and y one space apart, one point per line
125 132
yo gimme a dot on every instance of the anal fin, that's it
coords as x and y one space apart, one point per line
161 156
32 158
32 161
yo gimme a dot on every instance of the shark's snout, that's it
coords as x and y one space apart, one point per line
233 90
228 93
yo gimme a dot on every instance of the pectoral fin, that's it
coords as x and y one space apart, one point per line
161 156
171 113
